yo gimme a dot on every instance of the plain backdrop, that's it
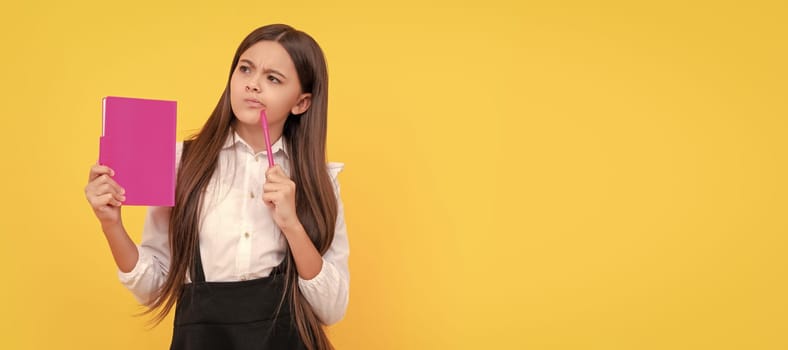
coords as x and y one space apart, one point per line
519 175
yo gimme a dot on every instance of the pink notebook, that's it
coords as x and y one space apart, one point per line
138 142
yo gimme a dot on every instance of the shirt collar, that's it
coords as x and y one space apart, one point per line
233 139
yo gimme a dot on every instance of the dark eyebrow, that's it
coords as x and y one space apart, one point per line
274 71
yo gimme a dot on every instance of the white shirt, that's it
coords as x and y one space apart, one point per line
238 237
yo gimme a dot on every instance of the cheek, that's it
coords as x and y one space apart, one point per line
234 86
294 99
235 96
288 96
236 92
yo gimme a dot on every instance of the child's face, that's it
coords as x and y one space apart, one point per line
265 77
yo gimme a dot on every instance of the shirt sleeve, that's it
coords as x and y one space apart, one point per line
328 292
147 277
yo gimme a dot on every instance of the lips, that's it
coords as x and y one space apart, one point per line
253 103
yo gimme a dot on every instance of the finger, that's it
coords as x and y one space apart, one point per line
107 199
93 190
109 189
273 178
280 180
93 201
98 170
105 179
101 179
114 200
273 187
271 198
276 172
270 176
116 186
273 169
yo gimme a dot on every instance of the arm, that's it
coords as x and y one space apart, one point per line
328 292
105 197
307 258
145 278
324 280
141 269
124 251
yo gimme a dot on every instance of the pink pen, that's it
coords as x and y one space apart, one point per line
264 121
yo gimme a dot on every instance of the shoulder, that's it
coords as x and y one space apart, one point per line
334 168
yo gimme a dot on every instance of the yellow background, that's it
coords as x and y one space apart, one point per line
549 175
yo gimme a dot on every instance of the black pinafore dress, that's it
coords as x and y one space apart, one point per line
234 315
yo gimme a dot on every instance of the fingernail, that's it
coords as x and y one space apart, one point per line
122 198
111 172
122 191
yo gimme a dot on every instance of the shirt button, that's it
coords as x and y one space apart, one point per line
251 195
246 234
256 158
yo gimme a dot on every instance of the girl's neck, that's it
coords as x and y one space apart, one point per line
253 135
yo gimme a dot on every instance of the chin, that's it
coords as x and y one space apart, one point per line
247 117
247 121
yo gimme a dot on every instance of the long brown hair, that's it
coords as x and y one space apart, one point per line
316 203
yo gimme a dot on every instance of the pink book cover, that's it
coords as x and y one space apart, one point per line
138 142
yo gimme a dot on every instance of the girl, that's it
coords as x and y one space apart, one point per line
255 257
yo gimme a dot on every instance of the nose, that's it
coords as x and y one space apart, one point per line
252 85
